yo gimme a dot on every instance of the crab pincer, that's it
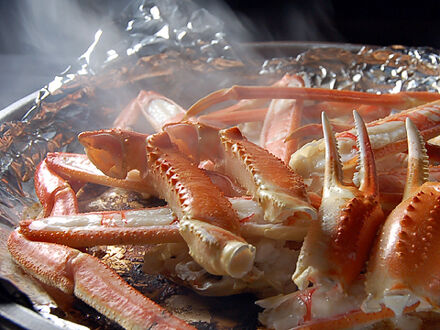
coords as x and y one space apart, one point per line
404 271
337 246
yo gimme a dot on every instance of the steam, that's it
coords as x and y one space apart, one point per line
65 28
59 31
62 27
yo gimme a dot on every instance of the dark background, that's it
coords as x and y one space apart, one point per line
39 38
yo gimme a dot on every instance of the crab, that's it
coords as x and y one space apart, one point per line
197 168
402 272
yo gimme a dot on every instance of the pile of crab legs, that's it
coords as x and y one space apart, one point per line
200 168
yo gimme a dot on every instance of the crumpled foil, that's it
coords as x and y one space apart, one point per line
177 49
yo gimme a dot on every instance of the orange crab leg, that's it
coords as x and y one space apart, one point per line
425 118
387 136
247 104
349 218
404 261
54 193
315 130
256 168
79 167
184 186
156 108
142 226
403 99
92 281
220 119
244 110
338 109
353 318
282 117
207 221
146 226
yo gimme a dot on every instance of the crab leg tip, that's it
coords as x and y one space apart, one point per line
367 167
333 166
417 160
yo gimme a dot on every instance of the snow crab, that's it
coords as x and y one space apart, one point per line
228 198
401 275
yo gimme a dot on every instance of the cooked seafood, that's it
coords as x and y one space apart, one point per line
201 170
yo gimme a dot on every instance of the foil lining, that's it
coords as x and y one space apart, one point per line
177 49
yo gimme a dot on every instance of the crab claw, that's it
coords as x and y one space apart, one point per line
337 246
404 268
115 152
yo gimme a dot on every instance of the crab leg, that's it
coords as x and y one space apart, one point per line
244 110
315 130
92 281
221 120
79 167
403 99
55 194
207 221
387 136
405 259
336 247
143 226
282 117
157 110
337 109
280 192
146 226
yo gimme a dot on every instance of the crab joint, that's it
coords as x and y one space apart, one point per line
217 250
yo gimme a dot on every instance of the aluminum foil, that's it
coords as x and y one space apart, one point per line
177 49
